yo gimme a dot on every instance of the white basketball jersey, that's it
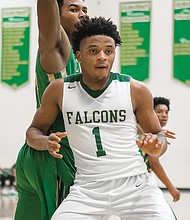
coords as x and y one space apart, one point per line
101 129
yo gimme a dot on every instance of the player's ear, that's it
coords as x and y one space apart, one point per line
78 56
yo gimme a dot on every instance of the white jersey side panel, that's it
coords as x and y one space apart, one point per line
102 132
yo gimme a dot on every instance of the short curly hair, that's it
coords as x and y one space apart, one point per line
161 101
88 27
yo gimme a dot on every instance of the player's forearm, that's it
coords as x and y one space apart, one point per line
48 21
159 171
163 178
36 139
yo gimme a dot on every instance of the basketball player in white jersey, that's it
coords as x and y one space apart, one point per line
100 111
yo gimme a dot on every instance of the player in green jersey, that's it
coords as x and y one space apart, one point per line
162 108
37 171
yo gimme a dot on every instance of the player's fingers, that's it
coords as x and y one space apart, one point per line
61 134
55 154
139 143
54 137
169 134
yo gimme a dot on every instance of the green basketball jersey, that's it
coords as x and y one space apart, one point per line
43 79
145 157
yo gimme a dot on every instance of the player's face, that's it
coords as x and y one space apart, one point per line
162 114
96 55
71 13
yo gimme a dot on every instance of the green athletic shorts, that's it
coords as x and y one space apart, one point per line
37 173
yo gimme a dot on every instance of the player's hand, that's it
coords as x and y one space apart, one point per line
169 134
150 144
53 145
175 194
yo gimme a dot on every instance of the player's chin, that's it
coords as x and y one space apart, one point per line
102 75
163 123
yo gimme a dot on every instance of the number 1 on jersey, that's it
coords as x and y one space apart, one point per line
101 151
